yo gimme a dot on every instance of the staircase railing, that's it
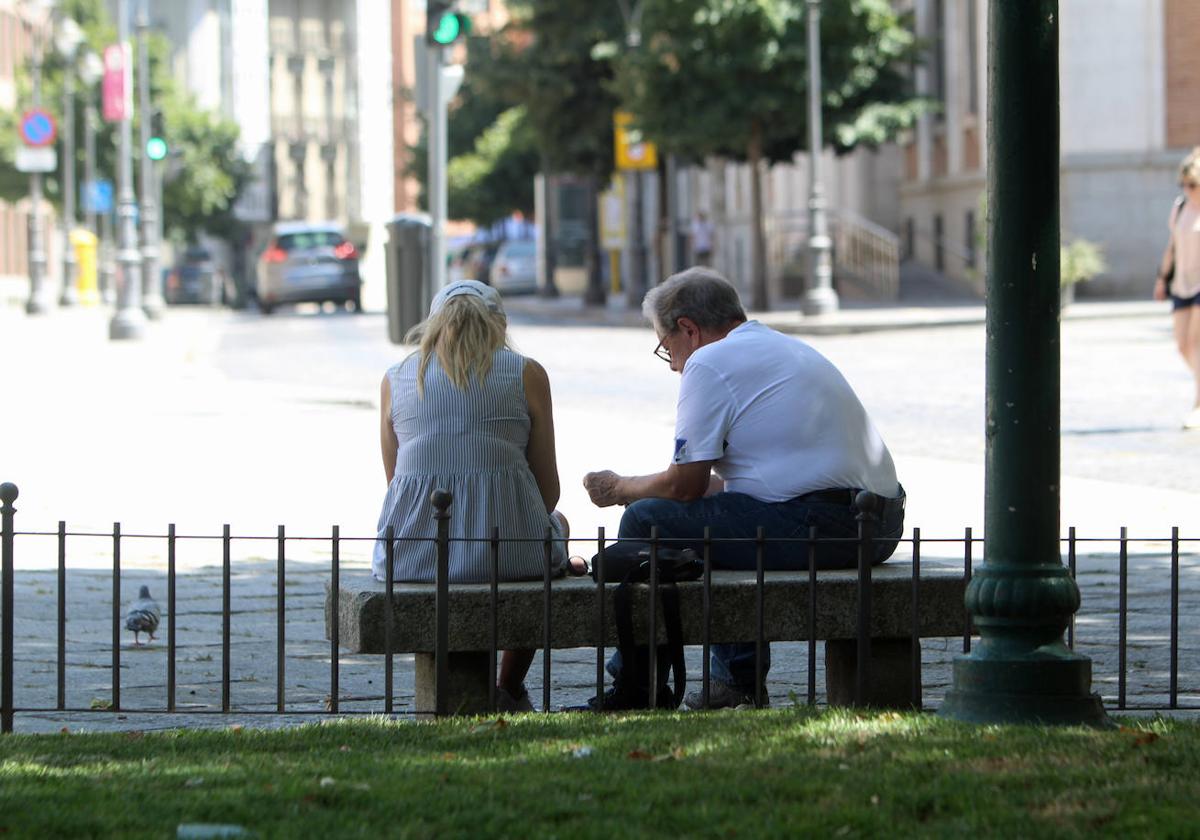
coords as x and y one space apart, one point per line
864 252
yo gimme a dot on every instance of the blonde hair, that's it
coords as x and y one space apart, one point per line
464 333
1189 170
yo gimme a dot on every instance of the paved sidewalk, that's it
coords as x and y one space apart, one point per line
850 318
149 420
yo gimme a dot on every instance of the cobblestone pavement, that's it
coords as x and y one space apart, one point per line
223 417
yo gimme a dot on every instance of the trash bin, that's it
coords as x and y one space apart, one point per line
85 243
407 259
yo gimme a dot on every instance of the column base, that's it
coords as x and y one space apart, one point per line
1053 690
468 691
890 685
820 301
127 323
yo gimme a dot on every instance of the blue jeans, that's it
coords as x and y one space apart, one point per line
738 516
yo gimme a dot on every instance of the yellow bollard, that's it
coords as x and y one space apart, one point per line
84 242
614 273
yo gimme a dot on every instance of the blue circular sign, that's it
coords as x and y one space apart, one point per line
38 128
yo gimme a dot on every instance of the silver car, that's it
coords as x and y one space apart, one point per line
308 262
514 268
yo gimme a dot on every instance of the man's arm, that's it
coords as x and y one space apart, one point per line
680 482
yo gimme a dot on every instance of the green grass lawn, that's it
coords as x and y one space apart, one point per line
784 772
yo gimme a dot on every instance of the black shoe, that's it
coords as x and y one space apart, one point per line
620 698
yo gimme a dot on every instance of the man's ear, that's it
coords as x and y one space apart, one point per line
688 326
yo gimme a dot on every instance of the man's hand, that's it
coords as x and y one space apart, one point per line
602 487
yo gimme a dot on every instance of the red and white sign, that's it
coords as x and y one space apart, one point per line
117 98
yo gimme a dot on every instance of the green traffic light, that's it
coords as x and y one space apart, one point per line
449 28
156 148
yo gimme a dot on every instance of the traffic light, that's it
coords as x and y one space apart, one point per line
443 25
156 146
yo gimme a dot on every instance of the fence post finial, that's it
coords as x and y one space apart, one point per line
8 493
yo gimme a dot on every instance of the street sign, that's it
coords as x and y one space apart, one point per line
631 151
116 95
38 128
36 159
98 196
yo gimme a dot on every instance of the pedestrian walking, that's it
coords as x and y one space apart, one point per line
1179 274
702 239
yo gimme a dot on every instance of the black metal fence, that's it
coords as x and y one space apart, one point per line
967 548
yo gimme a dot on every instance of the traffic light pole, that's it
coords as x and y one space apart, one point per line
152 299
437 171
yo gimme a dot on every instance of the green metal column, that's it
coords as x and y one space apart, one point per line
1023 597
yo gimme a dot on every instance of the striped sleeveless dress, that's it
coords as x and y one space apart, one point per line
471 442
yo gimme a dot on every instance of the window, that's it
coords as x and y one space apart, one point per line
938 68
939 254
972 57
969 228
310 239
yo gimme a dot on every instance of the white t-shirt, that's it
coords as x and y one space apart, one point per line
1186 231
778 418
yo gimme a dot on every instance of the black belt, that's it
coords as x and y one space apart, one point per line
845 496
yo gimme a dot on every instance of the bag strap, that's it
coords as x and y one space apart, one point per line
668 595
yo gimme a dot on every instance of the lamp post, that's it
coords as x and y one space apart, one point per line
819 298
1023 598
67 40
36 304
152 298
129 320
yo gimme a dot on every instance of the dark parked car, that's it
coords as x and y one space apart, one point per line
308 262
197 278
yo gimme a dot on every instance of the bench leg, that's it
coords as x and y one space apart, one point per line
891 673
468 689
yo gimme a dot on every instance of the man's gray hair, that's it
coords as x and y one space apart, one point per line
698 293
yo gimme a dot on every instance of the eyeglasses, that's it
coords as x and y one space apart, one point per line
663 353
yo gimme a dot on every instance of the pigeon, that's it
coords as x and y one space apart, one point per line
143 616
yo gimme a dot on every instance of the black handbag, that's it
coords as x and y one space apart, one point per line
631 686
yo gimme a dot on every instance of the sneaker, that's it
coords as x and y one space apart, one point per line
722 695
506 702
1192 421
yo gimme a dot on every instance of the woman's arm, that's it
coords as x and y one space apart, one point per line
387 434
540 450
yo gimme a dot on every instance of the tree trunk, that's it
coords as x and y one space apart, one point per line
758 242
595 293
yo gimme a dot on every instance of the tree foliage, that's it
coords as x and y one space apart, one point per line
492 156
730 78
205 173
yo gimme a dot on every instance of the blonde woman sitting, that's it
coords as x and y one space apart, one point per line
467 414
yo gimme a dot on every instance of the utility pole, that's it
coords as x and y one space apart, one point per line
637 246
819 298
36 304
130 320
152 299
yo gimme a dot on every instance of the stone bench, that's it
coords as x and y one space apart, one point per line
362 602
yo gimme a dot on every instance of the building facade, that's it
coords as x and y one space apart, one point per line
18 29
308 84
1129 84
